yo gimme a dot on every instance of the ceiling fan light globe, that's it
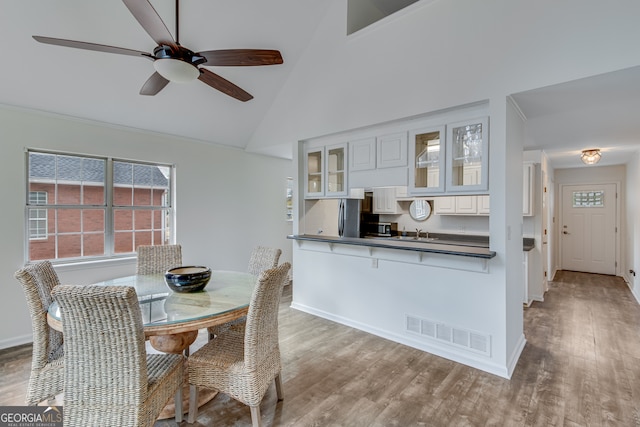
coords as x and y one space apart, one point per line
176 70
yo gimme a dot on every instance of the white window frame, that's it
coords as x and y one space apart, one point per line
107 206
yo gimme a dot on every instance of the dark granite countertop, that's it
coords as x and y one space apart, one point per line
408 244
451 244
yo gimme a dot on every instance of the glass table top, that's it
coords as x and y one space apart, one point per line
226 291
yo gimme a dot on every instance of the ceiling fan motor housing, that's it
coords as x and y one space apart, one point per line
181 53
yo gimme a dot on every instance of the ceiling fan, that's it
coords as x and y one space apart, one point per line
174 62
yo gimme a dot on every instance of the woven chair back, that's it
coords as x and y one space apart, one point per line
38 280
263 258
158 259
261 332
105 357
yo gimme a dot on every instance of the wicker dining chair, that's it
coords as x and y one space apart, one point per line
109 378
47 361
262 258
158 258
242 365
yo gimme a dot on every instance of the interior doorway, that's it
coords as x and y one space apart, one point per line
588 228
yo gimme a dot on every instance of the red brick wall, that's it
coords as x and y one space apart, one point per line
71 222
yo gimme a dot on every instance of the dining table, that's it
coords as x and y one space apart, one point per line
172 319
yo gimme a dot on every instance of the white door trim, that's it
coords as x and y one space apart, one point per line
618 265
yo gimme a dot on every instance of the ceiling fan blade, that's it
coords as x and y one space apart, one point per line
147 16
91 46
242 57
223 85
154 84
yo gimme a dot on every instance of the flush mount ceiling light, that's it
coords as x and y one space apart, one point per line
590 156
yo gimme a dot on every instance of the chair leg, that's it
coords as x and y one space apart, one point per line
255 416
279 388
193 404
177 400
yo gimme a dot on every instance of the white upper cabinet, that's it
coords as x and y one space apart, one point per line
362 154
392 150
385 199
427 153
468 152
483 205
336 170
314 172
326 171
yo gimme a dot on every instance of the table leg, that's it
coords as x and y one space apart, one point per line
179 343
174 343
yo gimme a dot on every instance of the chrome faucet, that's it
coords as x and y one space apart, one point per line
418 233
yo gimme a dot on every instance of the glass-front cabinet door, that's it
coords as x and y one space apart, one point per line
314 167
336 170
468 148
325 171
427 152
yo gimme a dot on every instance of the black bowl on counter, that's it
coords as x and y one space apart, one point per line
187 278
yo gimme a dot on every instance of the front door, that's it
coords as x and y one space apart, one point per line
588 228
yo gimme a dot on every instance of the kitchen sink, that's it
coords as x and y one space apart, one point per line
408 238
413 239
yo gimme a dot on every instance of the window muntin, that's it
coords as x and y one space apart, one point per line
37 217
97 207
588 199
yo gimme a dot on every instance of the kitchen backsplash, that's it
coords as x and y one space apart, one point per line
322 215
450 224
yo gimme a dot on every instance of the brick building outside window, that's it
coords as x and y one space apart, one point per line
81 207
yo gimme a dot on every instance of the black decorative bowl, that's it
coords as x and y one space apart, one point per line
188 278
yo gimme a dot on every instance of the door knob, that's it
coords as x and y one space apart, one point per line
565 232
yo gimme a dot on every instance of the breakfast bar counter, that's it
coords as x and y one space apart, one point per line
401 244
471 246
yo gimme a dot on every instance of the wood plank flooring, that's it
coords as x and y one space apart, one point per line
580 367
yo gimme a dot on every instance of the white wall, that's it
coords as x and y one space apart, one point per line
227 200
632 236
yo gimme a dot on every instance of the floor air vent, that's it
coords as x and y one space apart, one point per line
440 332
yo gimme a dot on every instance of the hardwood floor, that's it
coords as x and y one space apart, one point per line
580 367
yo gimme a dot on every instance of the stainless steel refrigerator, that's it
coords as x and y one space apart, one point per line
349 218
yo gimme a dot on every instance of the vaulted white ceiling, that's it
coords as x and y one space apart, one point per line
599 111
104 86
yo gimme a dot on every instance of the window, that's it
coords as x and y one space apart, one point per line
37 217
588 199
81 207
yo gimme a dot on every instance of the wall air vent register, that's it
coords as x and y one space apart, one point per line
460 338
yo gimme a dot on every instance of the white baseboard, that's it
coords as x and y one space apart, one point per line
634 291
15 341
517 351
439 350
